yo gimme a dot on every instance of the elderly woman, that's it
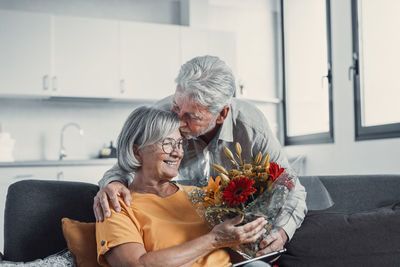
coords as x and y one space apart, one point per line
160 227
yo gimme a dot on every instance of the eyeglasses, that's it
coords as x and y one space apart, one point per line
169 144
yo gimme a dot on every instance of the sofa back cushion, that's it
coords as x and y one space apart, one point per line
353 193
32 219
361 239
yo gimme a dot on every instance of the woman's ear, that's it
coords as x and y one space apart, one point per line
136 153
222 115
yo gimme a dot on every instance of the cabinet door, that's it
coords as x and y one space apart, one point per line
85 57
149 59
87 174
195 42
223 45
25 50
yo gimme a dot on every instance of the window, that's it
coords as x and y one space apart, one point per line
375 69
307 88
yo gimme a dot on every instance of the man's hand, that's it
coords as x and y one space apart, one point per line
110 192
228 234
273 242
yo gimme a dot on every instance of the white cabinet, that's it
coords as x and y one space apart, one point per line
87 174
149 59
196 42
85 57
25 53
193 43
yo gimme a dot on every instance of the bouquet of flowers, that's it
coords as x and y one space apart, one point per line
251 190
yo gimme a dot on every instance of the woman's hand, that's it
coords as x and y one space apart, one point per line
110 192
227 234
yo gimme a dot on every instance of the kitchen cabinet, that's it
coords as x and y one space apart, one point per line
85 57
25 53
194 43
197 42
87 174
149 60
49 55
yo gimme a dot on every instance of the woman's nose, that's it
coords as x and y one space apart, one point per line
177 151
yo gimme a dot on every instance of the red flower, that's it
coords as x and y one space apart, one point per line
238 191
275 171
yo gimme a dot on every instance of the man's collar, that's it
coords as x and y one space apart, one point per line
226 132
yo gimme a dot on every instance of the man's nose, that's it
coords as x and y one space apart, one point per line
183 122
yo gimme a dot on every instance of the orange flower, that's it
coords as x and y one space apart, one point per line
212 191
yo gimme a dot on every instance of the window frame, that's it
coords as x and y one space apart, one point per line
365 132
316 138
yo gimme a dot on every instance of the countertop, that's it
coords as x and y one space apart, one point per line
55 163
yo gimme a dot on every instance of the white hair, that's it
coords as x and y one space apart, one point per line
208 81
144 126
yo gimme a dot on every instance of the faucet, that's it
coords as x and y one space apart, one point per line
63 152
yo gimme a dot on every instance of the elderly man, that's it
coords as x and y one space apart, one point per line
210 119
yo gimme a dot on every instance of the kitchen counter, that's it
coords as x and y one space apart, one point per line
56 163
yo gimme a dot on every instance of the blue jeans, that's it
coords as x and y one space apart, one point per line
257 264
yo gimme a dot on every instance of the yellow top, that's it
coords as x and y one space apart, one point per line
157 223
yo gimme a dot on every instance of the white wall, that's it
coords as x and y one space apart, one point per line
345 155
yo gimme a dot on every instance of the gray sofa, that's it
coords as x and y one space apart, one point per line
362 228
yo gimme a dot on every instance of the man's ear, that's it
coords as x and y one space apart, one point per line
222 115
136 153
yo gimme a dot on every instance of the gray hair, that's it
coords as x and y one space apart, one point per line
144 126
208 81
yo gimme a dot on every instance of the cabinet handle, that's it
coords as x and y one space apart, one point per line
23 176
45 82
60 175
54 83
122 86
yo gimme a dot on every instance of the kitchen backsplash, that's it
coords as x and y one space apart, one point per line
36 126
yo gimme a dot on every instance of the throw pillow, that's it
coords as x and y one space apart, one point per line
81 241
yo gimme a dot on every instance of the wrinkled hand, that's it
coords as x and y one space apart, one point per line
227 234
110 192
273 242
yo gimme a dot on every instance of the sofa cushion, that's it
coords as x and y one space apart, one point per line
364 239
81 241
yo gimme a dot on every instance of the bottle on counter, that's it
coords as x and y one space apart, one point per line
6 146
108 152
